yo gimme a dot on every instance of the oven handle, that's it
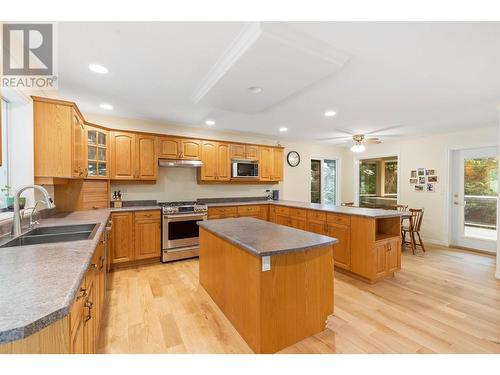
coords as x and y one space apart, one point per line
181 217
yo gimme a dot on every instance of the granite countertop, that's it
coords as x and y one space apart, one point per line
262 238
356 211
40 282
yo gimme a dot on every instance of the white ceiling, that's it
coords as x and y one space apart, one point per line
391 79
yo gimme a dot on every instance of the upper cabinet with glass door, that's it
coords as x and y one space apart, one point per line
97 152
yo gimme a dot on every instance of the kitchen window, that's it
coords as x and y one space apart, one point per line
4 172
324 181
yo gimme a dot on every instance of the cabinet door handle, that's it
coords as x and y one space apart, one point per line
83 294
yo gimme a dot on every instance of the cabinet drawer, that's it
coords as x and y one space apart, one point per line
95 205
248 209
282 210
339 219
298 212
222 211
153 214
316 215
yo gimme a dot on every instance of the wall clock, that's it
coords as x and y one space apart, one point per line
293 158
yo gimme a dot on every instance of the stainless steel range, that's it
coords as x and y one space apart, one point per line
180 231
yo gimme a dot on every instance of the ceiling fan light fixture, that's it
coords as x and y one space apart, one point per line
358 148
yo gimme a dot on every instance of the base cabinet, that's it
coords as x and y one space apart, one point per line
341 250
136 236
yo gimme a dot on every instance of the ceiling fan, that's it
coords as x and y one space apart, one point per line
358 141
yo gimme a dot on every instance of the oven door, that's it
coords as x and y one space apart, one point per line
181 230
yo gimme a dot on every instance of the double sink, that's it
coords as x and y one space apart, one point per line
61 233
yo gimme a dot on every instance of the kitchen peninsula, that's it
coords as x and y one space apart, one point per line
273 283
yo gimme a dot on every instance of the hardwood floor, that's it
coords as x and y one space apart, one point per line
445 301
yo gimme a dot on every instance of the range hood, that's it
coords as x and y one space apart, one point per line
176 163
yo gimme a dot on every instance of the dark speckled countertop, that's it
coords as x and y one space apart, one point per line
263 238
343 210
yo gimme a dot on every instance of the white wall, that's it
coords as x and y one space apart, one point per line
180 184
427 152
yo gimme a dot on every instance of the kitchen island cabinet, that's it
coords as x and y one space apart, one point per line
369 246
276 288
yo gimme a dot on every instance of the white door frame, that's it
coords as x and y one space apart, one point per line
355 174
485 245
338 168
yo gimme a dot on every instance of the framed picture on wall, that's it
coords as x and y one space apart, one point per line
432 178
413 173
413 181
431 188
421 180
419 188
430 172
421 172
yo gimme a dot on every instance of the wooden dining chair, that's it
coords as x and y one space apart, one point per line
347 204
401 207
413 228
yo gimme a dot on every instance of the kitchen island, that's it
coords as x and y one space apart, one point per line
369 246
273 283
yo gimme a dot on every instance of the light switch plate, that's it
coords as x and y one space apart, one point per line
266 263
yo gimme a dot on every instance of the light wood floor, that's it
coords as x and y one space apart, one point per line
445 301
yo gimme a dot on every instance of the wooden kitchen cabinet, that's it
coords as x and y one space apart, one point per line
79 159
179 148
136 236
55 128
123 244
216 162
265 162
97 153
147 159
341 250
147 233
244 152
80 195
271 164
133 156
222 212
123 156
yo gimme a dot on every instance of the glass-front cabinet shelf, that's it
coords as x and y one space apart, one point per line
97 152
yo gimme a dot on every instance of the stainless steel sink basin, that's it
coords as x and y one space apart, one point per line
63 233
61 229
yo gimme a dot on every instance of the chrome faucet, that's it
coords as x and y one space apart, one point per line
16 223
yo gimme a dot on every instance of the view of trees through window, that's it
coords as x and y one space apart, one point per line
368 178
391 177
480 192
323 181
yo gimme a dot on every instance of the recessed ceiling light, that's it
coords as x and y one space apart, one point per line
98 69
210 122
255 89
106 106
330 113
283 129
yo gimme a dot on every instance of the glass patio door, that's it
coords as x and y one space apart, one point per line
474 200
324 181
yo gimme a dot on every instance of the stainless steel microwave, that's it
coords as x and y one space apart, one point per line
245 169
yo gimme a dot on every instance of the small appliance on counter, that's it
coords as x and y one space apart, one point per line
269 194
117 199
276 195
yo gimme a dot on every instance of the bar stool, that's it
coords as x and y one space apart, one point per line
416 216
